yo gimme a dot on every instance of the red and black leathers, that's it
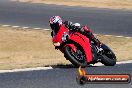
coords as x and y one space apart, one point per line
83 30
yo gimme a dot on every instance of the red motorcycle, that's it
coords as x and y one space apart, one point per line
79 50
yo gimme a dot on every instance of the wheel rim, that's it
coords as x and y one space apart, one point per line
78 55
110 55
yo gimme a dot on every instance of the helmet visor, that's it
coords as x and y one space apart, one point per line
55 27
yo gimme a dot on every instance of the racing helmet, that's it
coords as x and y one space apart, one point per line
55 23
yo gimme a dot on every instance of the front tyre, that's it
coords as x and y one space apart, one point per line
76 58
109 58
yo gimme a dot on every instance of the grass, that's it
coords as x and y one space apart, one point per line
32 48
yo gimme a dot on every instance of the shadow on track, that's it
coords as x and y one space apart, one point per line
67 66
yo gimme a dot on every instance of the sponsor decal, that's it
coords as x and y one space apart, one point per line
83 78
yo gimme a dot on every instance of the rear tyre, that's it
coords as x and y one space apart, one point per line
76 58
109 58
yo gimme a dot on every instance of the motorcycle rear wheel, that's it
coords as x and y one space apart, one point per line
109 58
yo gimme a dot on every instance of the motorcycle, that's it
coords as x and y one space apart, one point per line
79 50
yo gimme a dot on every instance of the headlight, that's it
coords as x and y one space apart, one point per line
57 44
64 37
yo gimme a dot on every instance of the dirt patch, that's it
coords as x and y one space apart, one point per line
33 48
112 4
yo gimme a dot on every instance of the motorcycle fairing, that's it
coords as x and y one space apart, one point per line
84 42
58 37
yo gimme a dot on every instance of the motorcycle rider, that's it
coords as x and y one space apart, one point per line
83 30
56 22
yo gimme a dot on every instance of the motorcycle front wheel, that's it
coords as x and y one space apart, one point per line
77 58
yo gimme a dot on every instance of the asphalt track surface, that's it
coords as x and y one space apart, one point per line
61 78
101 21
64 77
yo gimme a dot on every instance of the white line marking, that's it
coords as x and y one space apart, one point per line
37 28
119 36
48 68
121 62
25 27
15 26
49 29
124 62
26 69
46 29
6 25
107 35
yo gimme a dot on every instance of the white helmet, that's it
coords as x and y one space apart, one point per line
76 24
